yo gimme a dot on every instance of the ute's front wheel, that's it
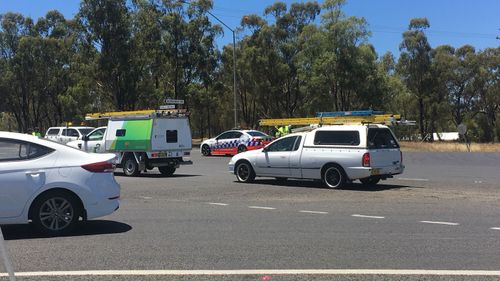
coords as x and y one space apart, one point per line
244 172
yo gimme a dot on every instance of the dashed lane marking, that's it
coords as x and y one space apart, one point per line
422 272
262 208
441 222
365 216
313 212
217 204
146 197
495 228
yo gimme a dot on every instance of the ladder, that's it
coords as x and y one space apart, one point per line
136 114
387 119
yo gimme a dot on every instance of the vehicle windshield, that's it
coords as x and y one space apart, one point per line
85 131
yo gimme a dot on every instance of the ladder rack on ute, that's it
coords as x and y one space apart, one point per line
136 114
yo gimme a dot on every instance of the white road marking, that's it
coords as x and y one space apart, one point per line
145 197
369 217
478 181
263 208
261 272
412 179
440 222
218 204
312 212
495 228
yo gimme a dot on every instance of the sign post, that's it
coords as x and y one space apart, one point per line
5 257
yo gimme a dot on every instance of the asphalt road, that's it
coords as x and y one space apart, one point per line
441 214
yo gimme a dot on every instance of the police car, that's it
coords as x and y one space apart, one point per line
234 141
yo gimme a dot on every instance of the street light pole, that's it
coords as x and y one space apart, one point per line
234 63
234 69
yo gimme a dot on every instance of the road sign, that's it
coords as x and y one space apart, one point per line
172 101
167 106
462 129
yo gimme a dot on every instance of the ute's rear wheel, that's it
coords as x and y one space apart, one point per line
244 172
334 177
55 213
167 170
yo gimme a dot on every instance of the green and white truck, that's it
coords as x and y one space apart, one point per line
142 140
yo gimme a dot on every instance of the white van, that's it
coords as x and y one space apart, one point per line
67 134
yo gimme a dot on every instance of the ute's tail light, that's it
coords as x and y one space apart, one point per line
366 160
100 167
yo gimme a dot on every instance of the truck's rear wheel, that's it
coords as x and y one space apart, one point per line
167 170
130 167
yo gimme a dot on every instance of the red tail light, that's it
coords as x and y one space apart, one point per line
100 167
366 160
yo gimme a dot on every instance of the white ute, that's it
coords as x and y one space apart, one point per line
334 154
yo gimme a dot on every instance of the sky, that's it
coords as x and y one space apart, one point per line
453 22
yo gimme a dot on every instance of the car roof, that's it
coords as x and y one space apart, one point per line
71 127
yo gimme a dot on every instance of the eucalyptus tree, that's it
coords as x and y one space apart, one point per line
106 25
414 67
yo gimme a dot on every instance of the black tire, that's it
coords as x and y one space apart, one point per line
244 172
334 176
55 213
205 150
167 170
242 148
370 181
130 167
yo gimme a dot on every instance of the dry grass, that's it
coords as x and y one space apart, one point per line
449 147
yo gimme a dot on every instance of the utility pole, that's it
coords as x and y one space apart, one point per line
235 107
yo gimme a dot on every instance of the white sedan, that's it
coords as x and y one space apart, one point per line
53 185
